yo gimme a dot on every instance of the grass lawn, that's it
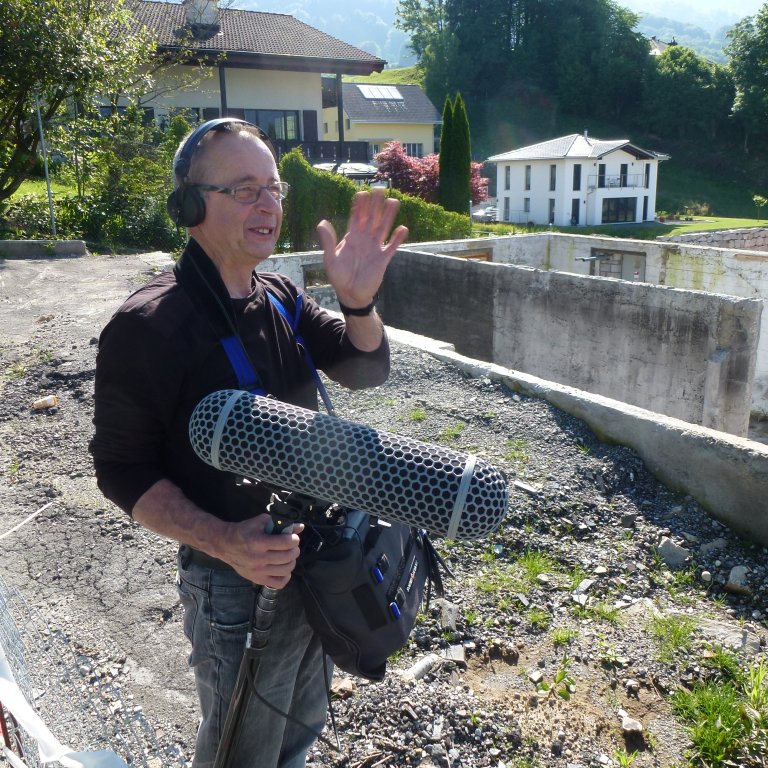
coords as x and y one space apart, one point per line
648 231
36 188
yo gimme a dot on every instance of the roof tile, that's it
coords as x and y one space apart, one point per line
248 32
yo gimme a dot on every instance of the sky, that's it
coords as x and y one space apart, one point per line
718 12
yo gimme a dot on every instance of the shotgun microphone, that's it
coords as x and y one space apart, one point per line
445 492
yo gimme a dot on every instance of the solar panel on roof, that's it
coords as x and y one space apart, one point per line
380 92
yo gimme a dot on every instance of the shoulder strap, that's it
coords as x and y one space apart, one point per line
247 378
293 323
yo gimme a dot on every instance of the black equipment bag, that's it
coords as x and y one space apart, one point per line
363 581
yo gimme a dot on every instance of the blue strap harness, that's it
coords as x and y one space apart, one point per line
247 378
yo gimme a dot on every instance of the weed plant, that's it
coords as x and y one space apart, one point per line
673 634
727 722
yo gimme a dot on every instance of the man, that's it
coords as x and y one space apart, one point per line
164 350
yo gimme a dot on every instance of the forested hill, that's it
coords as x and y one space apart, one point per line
367 24
370 24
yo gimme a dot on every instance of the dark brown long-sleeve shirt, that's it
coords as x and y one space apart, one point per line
161 354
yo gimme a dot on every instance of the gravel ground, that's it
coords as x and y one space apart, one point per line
541 652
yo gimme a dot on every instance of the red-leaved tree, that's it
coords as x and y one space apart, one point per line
419 176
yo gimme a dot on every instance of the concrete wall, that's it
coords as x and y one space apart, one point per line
688 266
751 238
41 249
727 475
686 354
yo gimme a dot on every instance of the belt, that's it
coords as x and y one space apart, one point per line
190 555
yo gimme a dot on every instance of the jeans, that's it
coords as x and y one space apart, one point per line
217 611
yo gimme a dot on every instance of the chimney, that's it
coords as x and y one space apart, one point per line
586 134
202 15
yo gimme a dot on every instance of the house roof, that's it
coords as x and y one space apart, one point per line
659 46
256 39
575 146
381 103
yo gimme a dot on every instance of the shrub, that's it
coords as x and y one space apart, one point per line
317 195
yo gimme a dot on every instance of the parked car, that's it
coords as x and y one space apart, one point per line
486 214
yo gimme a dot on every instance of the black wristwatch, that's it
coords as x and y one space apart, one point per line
359 311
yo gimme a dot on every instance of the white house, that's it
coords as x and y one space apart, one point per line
576 180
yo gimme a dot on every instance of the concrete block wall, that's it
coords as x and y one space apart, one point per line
722 271
684 354
751 238
685 265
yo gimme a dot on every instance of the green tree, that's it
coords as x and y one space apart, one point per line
62 52
445 160
748 55
455 158
687 94
462 157
760 203
422 20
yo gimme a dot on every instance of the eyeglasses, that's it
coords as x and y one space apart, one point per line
250 193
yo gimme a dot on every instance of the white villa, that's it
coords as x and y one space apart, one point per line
576 180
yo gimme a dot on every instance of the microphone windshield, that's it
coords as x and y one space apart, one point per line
448 493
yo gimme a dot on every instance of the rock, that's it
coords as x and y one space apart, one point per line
706 577
673 554
449 613
343 688
628 520
632 686
713 545
737 582
631 726
456 654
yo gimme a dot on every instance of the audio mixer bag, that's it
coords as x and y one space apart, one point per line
363 590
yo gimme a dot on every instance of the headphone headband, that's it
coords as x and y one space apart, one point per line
185 204
183 162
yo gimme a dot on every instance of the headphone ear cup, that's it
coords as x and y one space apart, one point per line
186 207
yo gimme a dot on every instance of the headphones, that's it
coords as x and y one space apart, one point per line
185 204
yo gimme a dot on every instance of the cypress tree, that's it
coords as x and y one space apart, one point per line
461 157
445 161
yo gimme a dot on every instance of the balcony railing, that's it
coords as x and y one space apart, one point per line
326 151
620 180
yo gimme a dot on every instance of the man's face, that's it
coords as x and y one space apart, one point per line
234 233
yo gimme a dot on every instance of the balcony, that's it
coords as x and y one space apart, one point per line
619 181
326 151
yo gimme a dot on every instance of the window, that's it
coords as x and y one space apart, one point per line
552 177
527 177
414 150
619 209
507 176
647 175
551 210
575 210
577 177
527 204
278 124
347 123
506 209
623 170
325 127
601 175
211 113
